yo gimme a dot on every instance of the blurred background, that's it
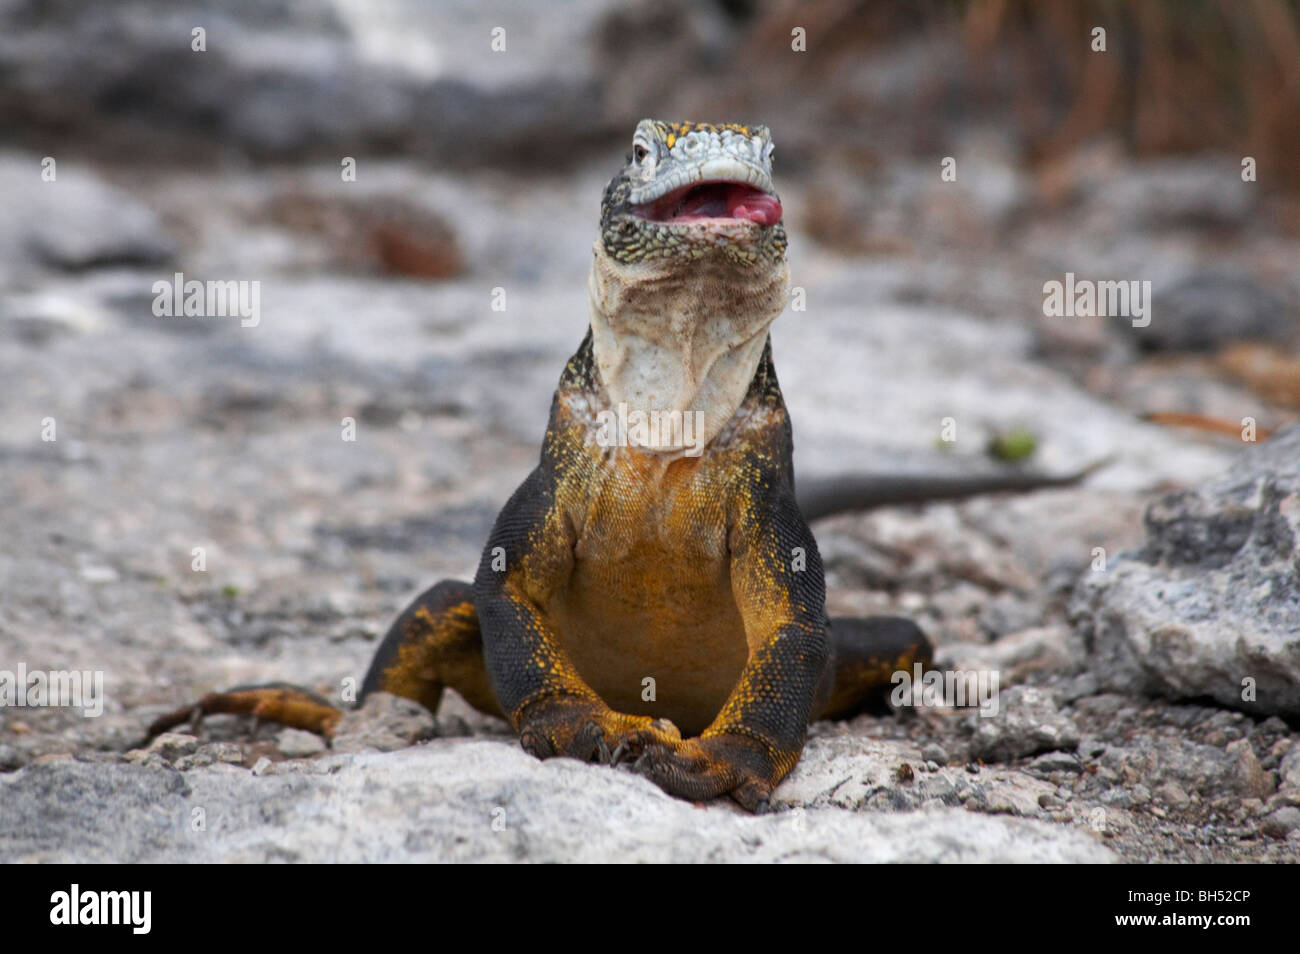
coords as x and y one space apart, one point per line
480 169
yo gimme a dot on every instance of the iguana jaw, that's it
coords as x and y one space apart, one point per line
692 191
712 200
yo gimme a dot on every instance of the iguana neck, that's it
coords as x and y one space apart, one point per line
681 336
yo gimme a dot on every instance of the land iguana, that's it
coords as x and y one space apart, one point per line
653 594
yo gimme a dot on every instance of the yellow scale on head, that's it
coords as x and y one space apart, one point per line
671 132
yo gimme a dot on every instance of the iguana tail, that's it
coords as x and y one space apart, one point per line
827 496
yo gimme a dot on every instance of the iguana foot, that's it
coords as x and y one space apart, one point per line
633 744
585 743
574 728
704 768
280 703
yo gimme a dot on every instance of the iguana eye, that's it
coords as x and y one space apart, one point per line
640 152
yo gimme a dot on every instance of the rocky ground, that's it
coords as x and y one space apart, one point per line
180 509
174 434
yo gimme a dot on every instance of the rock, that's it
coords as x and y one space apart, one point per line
1028 721
10 758
170 746
1043 648
935 753
1210 605
1008 613
90 224
371 233
1281 823
1171 193
224 752
1013 802
1117 798
462 800
1172 794
197 760
1284 797
1211 309
280 78
297 744
1055 762
78 221
384 723
1090 747
1077 687
1248 775
1288 770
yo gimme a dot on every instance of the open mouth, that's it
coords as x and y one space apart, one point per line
702 201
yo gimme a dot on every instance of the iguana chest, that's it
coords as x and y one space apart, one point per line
648 616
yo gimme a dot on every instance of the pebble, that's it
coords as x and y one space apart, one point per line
934 753
1281 823
1172 794
297 744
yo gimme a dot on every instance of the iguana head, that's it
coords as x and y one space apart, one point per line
691 190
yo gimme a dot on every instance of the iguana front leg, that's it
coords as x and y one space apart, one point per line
550 706
527 558
756 739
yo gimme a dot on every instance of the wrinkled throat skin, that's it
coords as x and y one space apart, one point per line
681 340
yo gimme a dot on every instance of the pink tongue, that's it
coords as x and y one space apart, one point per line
753 205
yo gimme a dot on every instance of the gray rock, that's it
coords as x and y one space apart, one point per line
1043 648
935 753
280 77
1028 721
1055 762
1172 794
384 724
297 744
1288 770
1117 798
1210 605
170 746
1281 823
1249 776
88 223
1210 309
223 752
10 758
462 800
1174 193
77 221
1090 747
1284 797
